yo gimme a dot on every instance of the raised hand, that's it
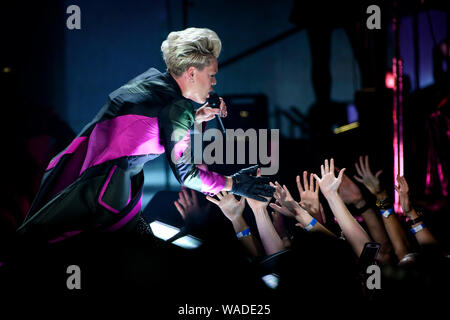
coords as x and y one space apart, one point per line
231 208
329 184
349 191
187 205
309 196
403 192
366 177
285 204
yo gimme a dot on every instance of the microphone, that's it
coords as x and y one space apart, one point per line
214 102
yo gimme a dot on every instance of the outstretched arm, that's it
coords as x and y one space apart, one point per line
309 197
423 234
392 225
351 194
289 207
188 207
233 209
270 239
329 185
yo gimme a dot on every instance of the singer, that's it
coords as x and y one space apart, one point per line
96 183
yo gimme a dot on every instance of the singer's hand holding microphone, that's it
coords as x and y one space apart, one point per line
214 106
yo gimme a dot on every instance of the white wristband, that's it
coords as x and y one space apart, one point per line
386 213
417 228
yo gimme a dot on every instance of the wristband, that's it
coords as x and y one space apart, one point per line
243 233
311 224
417 228
386 213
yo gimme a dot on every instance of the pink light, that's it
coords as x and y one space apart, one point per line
389 80
443 180
398 152
428 179
400 116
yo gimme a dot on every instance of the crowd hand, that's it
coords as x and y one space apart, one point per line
277 206
187 205
206 112
245 184
285 204
366 177
329 184
309 195
403 192
349 191
231 208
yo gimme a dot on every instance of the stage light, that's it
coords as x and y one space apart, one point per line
352 113
188 242
165 232
162 230
347 127
389 80
271 280
243 114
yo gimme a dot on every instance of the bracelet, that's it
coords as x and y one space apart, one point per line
384 203
386 213
417 228
412 222
363 209
311 224
243 233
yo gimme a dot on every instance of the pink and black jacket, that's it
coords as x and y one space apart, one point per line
96 182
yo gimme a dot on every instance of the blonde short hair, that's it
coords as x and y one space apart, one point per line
190 47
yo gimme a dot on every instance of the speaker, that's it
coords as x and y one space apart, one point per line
246 111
